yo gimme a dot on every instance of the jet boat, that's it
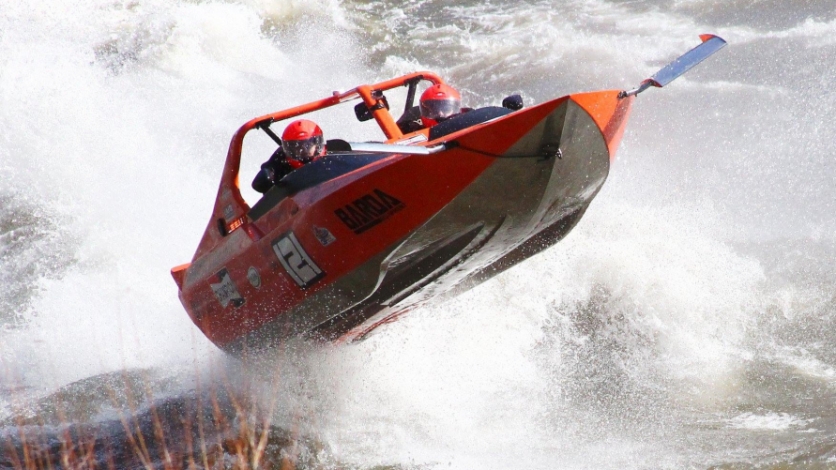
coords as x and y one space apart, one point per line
372 230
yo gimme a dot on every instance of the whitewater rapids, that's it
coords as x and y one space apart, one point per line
688 321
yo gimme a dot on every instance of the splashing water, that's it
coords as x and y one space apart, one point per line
686 322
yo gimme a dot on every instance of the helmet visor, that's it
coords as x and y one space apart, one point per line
303 150
440 109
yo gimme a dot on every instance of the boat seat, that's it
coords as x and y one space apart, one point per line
410 120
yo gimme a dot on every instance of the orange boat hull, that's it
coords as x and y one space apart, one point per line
340 258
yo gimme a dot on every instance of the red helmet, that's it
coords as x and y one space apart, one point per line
302 141
438 103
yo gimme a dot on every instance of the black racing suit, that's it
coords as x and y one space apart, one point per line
272 171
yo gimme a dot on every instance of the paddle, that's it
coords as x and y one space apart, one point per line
710 45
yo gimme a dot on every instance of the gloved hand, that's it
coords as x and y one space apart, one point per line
264 180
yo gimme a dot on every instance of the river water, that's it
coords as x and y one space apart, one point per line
689 321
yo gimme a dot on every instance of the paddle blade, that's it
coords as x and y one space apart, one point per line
687 61
710 45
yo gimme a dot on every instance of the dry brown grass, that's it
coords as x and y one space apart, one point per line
220 428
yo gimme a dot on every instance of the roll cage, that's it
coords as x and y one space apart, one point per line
230 210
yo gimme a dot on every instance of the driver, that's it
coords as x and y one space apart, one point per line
302 143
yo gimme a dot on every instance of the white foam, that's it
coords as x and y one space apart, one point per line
767 421
675 319
807 363
120 126
116 116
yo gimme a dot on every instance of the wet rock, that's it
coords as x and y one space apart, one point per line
114 421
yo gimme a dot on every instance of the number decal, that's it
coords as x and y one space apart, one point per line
296 261
225 290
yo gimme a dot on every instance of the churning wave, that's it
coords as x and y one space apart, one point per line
686 322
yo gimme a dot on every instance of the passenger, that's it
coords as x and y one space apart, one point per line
438 103
302 143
